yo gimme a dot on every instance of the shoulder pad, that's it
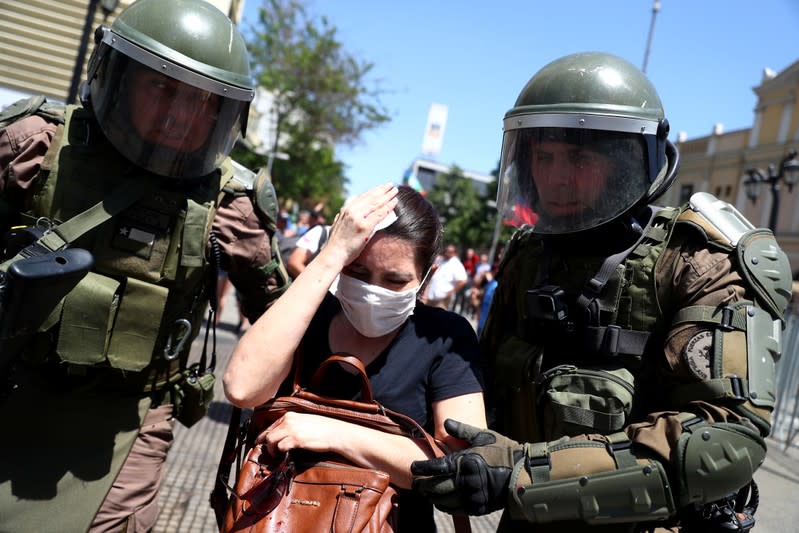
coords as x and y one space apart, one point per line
243 179
265 196
719 221
765 266
35 105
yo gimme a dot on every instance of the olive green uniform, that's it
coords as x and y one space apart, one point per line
630 351
676 369
88 380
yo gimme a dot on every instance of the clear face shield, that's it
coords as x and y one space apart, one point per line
167 119
564 180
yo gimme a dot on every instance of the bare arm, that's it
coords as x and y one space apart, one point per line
262 359
465 407
297 261
367 447
363 446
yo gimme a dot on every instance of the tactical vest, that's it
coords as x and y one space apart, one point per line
583 328
142 304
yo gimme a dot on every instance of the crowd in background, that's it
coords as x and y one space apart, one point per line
464 283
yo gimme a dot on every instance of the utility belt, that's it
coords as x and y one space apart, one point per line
54 373
190 390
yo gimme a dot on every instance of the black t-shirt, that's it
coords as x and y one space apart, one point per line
433 357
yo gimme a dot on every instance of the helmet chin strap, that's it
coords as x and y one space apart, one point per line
669 173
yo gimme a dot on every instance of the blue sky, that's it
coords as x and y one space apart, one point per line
475 56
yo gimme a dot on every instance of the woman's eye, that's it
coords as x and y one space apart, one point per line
357 274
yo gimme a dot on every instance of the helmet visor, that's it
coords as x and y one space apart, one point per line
564 180
166 125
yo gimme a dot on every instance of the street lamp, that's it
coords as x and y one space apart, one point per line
788 173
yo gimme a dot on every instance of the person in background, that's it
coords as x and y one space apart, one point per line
470 260
303 221
309 244
96 391
421 361
630 349
483 266
449 278
285 227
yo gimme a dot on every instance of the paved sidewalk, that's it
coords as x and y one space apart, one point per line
192 462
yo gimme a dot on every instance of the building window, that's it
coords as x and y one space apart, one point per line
685 192
728 191
785 123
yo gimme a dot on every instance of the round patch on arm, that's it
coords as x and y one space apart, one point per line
696 354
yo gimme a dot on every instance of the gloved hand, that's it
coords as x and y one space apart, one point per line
474 480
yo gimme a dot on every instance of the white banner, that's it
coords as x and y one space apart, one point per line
434 131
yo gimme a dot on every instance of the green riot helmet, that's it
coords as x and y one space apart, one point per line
585 143
170 86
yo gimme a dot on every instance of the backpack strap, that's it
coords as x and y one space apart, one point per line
234 440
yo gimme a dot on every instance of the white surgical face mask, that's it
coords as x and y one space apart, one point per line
373 310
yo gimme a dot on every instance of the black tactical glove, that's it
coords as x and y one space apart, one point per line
472 481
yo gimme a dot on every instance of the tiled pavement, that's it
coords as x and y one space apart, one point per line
192 461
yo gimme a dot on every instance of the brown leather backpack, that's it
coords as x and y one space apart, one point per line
311 492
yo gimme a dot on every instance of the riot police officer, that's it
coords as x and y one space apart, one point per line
138 175
630 350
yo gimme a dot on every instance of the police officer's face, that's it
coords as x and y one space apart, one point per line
569 178
169 113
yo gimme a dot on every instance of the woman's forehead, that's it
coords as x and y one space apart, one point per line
388 254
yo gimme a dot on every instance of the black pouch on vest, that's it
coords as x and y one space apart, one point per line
193 394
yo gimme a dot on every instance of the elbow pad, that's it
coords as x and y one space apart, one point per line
714 460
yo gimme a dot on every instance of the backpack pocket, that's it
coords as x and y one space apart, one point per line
585 400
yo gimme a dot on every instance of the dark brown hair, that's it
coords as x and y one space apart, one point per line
418 223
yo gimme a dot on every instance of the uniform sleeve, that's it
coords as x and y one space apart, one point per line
247 255
456 371
501 324
693 276
23 146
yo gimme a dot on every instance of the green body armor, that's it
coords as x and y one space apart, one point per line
578 346
588 330
142 304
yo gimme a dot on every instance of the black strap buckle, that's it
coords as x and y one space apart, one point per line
738 391
610 340
620 446
541 460
727 314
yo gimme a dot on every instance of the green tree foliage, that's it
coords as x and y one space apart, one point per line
468 216
323 98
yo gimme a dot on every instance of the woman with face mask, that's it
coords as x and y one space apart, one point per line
421 361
